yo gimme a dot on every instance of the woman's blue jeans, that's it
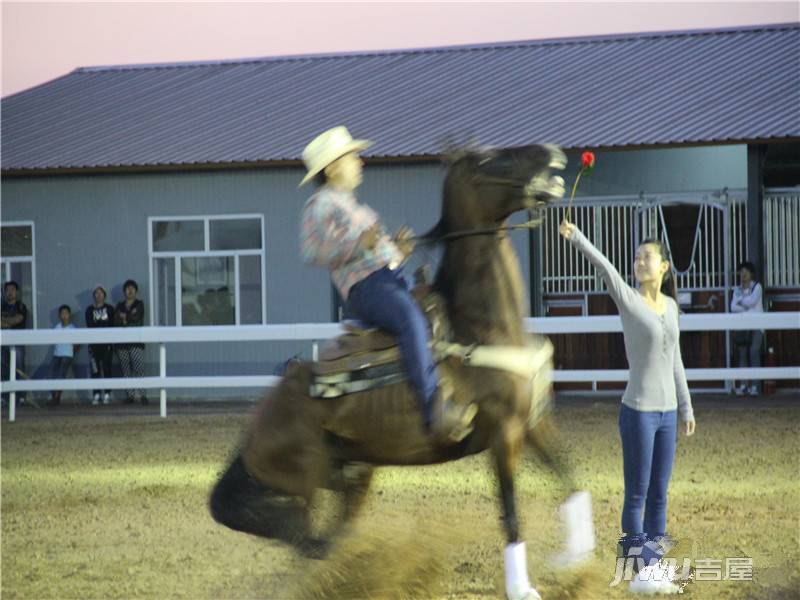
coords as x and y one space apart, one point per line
383 300
648 452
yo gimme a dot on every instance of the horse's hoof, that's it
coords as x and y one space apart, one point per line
525 594
314 549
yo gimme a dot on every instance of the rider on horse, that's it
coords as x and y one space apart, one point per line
346 236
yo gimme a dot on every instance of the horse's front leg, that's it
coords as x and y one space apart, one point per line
576 510
506 452
352 480
358 477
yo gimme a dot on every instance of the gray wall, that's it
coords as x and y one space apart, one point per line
93 229
664 170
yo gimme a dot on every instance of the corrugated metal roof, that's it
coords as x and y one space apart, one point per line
611 91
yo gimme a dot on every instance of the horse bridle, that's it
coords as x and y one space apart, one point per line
448 237
492 180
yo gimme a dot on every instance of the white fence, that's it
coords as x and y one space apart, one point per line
313 332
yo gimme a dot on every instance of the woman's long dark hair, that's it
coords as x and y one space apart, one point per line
669 287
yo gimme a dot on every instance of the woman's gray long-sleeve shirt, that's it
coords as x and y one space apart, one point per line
657 381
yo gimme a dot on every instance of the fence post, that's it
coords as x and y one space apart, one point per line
315 351
162 371
12 375
727 252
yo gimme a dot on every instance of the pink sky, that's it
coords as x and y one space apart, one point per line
42 41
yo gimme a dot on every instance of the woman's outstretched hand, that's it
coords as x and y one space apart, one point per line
566 229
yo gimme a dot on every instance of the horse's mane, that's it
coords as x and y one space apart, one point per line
451 153
444 282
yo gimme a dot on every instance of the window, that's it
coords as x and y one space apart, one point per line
17 263
207 270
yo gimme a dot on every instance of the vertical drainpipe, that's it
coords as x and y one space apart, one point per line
756 154
535 269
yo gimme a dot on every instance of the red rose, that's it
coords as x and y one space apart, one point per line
587 164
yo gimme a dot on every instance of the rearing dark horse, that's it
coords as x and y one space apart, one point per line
296 445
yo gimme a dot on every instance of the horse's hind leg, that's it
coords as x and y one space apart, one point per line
240 502
506 452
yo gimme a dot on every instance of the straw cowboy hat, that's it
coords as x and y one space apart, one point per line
327 147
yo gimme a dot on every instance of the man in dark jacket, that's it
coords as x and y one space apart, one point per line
14 316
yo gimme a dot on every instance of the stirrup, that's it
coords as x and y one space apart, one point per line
451 422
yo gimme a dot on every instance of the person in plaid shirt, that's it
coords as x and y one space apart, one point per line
346 236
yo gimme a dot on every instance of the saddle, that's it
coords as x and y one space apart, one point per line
364 358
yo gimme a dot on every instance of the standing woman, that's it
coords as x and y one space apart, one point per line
130 313
747 298
100 314
656 390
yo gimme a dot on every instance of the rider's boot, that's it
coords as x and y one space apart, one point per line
450 421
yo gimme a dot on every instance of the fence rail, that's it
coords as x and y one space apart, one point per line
322 331
314 332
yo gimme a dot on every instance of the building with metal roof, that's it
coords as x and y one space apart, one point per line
184 176
657 89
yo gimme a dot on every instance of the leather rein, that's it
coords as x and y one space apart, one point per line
454 235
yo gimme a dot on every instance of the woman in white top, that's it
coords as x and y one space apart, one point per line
747 298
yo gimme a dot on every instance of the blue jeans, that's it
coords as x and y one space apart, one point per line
648 451
60 366
383 300
750 355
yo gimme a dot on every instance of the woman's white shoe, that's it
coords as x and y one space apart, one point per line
655 579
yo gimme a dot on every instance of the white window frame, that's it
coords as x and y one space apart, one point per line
5 264
206 253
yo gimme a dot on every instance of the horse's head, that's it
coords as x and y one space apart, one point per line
484 187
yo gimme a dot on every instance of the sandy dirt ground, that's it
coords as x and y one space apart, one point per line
110 502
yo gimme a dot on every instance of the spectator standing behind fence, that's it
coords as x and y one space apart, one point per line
14 316
130 313
100 314
63 354
748 298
